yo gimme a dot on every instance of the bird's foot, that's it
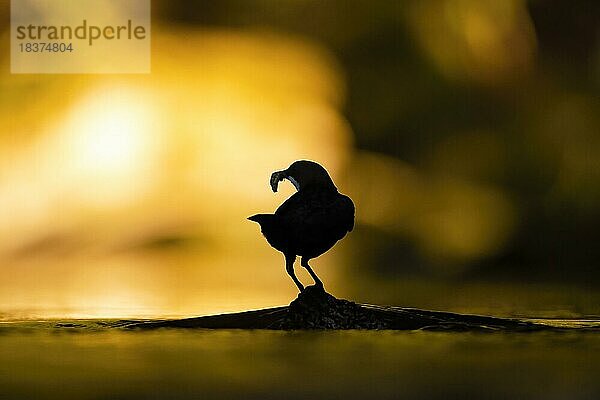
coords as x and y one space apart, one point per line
318 284
313 294
315 288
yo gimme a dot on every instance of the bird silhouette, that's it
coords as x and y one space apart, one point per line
311 221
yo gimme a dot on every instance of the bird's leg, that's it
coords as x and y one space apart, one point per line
304 263
289 267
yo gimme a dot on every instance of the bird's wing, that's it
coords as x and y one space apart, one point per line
290 205
309 214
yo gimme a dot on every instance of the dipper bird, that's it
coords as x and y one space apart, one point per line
311 221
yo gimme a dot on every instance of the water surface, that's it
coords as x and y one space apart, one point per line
76 359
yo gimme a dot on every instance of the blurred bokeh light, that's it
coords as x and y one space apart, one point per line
466 131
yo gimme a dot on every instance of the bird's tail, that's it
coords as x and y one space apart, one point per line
272 229
264 220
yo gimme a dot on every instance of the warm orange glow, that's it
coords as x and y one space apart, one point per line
186 151
124 195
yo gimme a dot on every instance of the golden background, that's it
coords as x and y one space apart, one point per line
466 131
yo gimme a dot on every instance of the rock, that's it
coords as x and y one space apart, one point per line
316 309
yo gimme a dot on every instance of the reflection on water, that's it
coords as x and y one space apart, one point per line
76 363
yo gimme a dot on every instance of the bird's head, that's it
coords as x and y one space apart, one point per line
303 174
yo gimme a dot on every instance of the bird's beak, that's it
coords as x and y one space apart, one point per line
278 176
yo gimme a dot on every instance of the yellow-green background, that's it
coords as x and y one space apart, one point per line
466 131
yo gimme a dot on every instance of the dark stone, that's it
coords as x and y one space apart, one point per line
316 309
